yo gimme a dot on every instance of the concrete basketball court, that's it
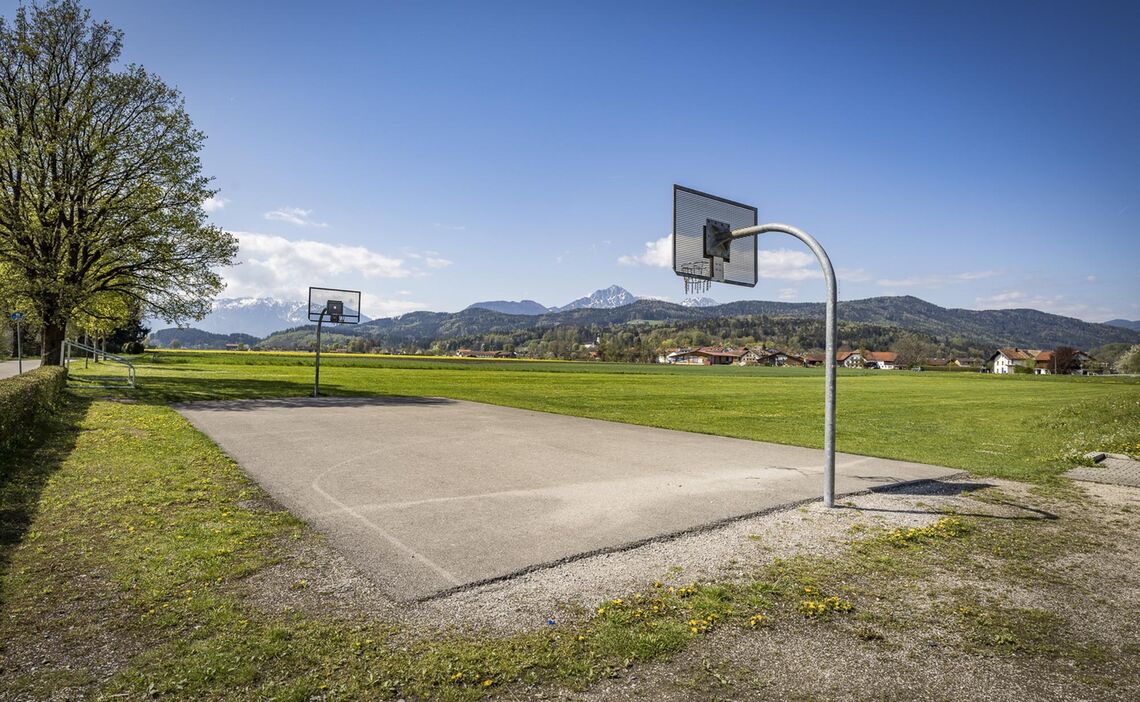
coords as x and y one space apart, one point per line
429 495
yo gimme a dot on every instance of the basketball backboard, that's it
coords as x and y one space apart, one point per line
701 246
337 306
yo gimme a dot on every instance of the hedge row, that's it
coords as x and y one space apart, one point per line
27 398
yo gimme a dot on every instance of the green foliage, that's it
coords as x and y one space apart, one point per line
1129 361
26 399
100 181
197 339
7 337
638 332
1109 353
913 350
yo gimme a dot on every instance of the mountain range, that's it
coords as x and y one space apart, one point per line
255 316
615 307
606 298
1134 325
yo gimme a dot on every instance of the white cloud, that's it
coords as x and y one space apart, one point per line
214 203
782 264
787 264
450 227
788 294
935 281
657 253
294 215
1092 279
431 259
1054 304
375 306
853 275
279 267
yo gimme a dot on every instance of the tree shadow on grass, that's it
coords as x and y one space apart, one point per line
167 390
26 468
311 402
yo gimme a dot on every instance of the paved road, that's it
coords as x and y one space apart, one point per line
429 494
10 368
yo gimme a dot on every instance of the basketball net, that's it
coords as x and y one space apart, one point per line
693 284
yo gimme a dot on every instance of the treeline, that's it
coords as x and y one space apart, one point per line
640 341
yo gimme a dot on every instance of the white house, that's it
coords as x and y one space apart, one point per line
1005 359
883 360
849 359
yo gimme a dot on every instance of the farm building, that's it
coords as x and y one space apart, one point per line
850 359
705 356
1004 360
847 359
771 357
883 360
1045 363
469 353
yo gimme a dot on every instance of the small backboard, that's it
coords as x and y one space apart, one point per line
702 249
334 306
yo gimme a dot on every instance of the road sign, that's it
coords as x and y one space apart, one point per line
16 316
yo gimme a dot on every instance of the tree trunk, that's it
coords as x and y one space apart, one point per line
53 336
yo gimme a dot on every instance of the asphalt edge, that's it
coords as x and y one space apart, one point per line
671 536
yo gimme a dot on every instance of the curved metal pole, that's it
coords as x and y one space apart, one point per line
830 332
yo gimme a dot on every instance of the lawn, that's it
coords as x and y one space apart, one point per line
130 548
1018 427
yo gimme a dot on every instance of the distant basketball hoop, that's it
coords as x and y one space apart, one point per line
334 306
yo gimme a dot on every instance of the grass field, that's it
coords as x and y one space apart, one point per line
129 544
1018 427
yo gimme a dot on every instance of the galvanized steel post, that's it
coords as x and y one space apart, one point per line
317 368
830 332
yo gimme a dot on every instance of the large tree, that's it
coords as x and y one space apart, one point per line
912 350
1065 360
101 185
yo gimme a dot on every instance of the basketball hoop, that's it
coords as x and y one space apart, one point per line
694 282
714 241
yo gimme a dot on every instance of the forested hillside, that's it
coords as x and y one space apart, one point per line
640 330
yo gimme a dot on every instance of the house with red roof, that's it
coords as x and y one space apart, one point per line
1005 359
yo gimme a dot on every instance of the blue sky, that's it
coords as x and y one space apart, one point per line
434 154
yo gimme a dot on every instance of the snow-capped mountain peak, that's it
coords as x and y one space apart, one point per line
699 302
607 298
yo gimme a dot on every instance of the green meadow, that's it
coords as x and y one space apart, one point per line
1019 427
130 545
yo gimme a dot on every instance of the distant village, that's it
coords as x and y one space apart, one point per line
1004 360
